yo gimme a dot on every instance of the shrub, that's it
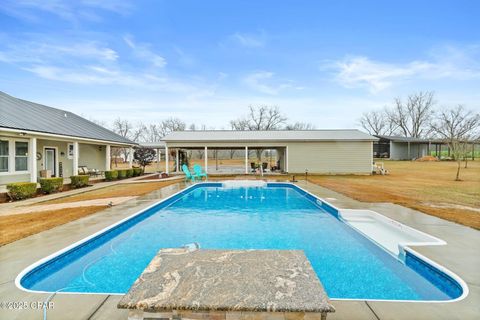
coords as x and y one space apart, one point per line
129 173
50 185
21 190
137 172
122 174
79 181
144 156
111 175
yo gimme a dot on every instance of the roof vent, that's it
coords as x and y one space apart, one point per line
65 114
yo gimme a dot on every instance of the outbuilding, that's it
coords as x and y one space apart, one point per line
297 151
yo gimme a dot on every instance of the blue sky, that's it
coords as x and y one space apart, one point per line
323 62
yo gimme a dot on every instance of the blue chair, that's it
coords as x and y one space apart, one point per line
199 171
188 174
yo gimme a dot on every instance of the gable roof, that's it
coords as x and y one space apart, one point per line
274 135
29 116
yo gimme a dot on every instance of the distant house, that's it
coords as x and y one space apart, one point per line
39 140
405 148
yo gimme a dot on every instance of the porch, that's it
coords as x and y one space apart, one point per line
227 159
26 158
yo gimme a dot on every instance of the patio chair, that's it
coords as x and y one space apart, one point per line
199 172
188 174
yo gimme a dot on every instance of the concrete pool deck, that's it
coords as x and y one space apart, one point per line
460 255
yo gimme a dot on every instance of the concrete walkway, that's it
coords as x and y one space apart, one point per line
57 206
461 255
99 185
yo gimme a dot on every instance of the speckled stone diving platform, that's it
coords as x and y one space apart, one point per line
233 284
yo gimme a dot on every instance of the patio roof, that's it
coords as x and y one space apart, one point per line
268 136
409 139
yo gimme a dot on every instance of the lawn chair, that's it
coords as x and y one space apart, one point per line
199 172
188 174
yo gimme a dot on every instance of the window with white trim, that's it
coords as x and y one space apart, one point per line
70 151
4 155
21 156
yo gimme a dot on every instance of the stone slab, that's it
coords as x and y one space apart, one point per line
228 280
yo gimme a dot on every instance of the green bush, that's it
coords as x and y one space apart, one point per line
21 190
111 175
129 173
50 185
137 172
79 181
122 174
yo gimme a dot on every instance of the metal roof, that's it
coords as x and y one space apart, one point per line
29 116
275 135
155 144
408 139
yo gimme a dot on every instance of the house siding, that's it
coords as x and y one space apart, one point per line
399 150
330 157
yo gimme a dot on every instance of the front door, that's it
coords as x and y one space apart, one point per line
50 161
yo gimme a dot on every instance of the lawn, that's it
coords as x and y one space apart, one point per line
18 226
425 186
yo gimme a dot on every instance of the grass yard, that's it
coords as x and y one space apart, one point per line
18 226
425 186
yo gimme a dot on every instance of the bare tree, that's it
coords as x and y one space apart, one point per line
260 118
170 125
300 126
457 127
377 122
127 130
412 116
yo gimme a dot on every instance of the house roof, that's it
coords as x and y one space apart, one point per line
29 116
275 135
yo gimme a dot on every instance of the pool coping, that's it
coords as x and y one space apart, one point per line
59 253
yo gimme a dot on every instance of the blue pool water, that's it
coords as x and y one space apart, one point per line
276 217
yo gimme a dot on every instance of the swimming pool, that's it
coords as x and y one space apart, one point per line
277 216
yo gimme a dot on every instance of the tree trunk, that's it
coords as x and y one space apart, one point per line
458 170
466 162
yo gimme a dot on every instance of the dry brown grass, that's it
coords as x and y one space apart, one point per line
19 226
420 186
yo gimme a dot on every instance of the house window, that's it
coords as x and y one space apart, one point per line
3 155
70 151
21 156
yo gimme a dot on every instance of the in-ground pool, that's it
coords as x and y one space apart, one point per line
278 216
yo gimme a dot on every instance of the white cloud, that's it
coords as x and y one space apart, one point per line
72 11
249 40
445 62
143 51
264 82
44 51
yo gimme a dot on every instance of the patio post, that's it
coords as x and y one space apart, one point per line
177 160
158 159
33 159
75 159
166 159
286 159
130 158
246 159
206 159
107 157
